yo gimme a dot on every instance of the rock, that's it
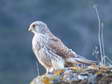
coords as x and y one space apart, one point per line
99 75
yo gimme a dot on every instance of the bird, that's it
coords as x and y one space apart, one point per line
50 51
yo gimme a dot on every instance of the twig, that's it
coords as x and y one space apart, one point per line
36 67
102 41
38 71
99 32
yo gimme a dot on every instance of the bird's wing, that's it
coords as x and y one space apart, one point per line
57 46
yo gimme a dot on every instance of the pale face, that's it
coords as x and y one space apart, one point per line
37 27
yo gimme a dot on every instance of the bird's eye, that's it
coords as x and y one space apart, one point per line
33 25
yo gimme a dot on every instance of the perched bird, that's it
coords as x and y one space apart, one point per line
50 50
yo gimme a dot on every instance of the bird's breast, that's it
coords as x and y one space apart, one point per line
39 41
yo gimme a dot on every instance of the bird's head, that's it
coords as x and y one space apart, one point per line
38 27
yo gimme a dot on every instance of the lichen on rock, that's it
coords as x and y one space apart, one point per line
73 75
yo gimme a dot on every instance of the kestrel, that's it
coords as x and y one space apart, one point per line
50 51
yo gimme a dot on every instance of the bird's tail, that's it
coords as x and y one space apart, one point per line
80 60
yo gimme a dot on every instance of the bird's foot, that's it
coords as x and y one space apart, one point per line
58 72
76 68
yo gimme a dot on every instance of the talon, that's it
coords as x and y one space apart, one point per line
58 72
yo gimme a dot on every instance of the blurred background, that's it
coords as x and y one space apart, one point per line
74 21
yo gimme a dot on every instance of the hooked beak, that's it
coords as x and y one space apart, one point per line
29 29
